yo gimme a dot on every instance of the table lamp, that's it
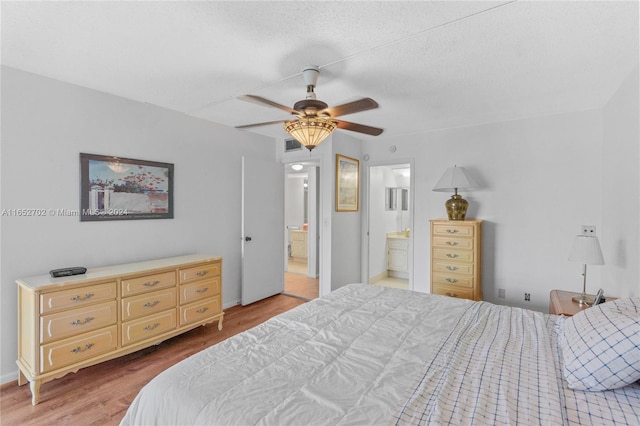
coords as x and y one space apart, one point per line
455 178
586 250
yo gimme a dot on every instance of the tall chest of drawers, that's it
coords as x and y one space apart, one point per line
65 324
456 258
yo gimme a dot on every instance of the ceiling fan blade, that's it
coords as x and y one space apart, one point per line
360 128
266 123
262 101
363 104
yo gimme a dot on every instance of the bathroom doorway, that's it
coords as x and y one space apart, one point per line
301 230
390 220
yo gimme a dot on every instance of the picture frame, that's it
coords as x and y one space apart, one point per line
115 188
347 184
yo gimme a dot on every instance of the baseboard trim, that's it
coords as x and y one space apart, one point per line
8 378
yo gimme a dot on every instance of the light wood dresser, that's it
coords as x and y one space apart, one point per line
456 258
68 323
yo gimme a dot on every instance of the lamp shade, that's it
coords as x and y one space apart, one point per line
455 178
586 250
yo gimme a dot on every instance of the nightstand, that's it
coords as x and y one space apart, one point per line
560 303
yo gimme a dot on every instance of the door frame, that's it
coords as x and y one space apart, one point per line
365 271
313 218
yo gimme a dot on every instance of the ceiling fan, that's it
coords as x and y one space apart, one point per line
315 119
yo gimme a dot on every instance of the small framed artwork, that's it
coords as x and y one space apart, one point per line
347 184
114 188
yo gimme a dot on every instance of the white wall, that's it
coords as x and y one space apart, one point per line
620 233
345 226
540 179
294 201
46 124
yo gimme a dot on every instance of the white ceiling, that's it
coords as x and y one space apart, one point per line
430 65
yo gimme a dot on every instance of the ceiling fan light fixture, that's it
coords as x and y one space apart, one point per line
310 131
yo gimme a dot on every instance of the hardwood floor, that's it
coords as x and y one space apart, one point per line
100 395
301 286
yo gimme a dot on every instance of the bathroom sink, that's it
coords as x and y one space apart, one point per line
400 234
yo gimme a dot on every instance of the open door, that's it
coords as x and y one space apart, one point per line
262 224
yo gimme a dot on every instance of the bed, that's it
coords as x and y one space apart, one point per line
373 355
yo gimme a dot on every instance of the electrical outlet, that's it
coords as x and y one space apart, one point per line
501 293
589 230
527 297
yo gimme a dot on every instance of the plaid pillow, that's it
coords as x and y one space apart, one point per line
601 346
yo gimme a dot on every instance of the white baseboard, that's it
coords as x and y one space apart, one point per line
230 304
11 377
381 276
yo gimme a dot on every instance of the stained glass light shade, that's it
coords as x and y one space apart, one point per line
310 131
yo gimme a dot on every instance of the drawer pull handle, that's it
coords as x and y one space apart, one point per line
452 243
80 350
80 322
152 327
452 295
452 231
81 298
451 280
202 310
151 284
452 256
202 273
151 304
452 268
202 290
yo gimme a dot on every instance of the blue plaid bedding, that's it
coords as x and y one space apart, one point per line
612 407
496 367
502 365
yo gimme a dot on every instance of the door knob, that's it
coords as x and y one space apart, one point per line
247 239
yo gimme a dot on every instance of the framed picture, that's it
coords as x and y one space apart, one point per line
347 184
114 188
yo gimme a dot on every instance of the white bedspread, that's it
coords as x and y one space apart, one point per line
346 358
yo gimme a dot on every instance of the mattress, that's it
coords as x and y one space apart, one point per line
373 355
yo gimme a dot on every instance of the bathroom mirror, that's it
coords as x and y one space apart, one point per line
391 199
396 199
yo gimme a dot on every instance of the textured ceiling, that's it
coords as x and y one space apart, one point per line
430 65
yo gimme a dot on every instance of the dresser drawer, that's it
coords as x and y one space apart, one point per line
452 254
77 297
200 310
199 272
76 349
148 283
298 236
451 242
397 243
454 279
77 321
199 290
453 229
452 267
144 328
148 303
453 291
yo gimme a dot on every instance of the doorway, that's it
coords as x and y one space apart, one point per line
390 220
301 230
